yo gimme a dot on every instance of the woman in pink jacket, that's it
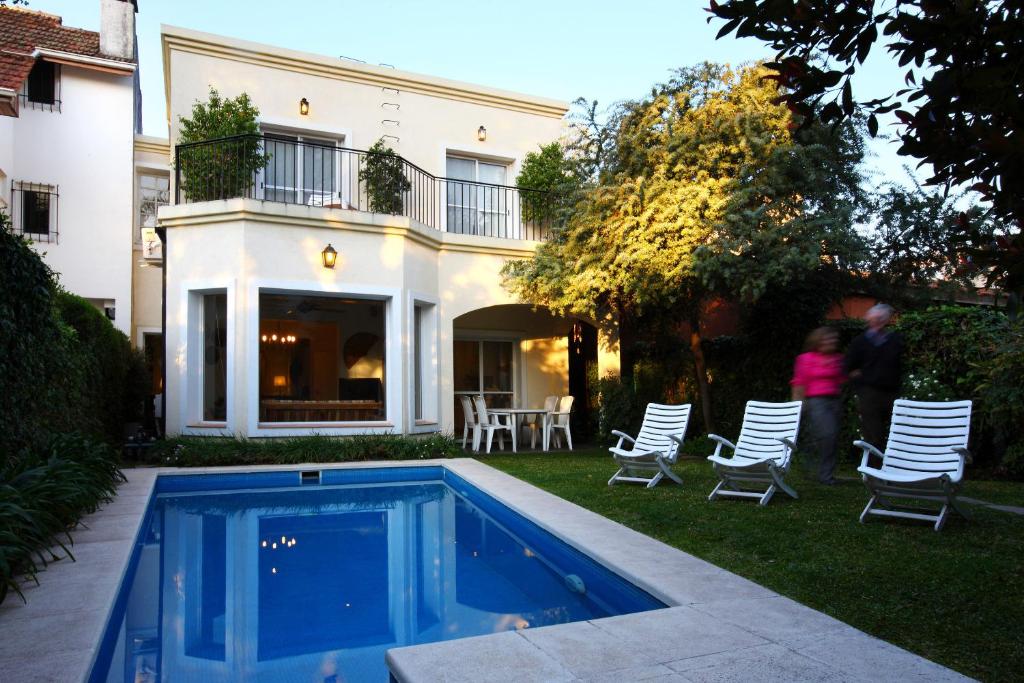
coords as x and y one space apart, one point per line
818 379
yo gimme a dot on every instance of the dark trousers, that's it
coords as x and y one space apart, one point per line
823 414
875 408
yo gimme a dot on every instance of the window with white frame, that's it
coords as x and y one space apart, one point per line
154 191
302 170
477 196
215 356
35 211
424 363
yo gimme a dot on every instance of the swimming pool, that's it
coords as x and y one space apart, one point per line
313 576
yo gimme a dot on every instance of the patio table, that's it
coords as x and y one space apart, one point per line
516 414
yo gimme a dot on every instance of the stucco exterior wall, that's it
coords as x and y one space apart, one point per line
244 245
86 150
434 116
151 156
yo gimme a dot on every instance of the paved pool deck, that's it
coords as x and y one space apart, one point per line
718 627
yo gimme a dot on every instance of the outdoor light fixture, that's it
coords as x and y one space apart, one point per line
330 256
481 134
304 106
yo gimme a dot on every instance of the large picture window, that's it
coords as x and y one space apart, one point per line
321 359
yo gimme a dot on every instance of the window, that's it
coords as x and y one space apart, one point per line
35 211
301 170
478 200
215 354
42 87
483 368
321 358
424 364
154 192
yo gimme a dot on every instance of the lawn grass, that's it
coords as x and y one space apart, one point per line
955 597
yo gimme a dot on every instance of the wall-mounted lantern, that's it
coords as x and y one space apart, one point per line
481 134
330 256
304 106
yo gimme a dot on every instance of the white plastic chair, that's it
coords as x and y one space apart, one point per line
537 423
655 449
559 420
762 454
470 423
492 423
923 460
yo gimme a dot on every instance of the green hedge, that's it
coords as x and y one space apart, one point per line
218 451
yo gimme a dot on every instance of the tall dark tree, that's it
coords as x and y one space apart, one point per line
962 110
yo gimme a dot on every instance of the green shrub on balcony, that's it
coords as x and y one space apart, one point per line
226 165
383 172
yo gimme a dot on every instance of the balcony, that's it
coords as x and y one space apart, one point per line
310 174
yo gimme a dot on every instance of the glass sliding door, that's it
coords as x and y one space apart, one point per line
477 197
302 170
483 368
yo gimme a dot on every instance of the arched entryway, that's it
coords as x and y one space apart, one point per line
515 355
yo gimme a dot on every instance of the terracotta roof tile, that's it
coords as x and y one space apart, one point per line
22 31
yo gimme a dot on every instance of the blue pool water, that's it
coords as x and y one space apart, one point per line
258 577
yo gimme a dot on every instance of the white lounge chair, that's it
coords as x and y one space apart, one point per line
491 423
655 449
762 454
559 420
470 423
924 460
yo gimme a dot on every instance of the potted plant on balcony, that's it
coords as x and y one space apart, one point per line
383 171
220 149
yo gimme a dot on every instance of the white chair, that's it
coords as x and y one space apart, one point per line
470 423
492 423
762 454
537 423
655 449
923 460
559 420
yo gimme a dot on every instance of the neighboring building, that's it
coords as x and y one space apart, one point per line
264 340
68 114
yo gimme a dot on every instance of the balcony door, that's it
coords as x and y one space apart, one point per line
302 170
478 197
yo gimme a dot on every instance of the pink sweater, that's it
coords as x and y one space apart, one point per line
818 373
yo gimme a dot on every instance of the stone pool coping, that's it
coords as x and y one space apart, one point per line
719 626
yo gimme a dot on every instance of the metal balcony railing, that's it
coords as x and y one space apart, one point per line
285 170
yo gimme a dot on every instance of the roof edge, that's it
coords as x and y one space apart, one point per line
189 40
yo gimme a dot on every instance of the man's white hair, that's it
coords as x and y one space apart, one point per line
882 309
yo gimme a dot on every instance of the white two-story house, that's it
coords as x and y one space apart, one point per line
298 301
68 115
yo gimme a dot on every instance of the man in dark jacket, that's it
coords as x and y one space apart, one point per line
874 363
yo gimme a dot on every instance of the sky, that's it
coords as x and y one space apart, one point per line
564 49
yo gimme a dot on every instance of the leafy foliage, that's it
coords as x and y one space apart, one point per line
213 452
42 496
1001 393
383 171
968 93
548 174
226 168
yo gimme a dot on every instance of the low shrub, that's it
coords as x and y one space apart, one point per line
43 494
219 451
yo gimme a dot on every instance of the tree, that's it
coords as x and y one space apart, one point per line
220 149
383 171
671 179
547 175
962 110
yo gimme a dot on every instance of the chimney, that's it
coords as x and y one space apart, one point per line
117 28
